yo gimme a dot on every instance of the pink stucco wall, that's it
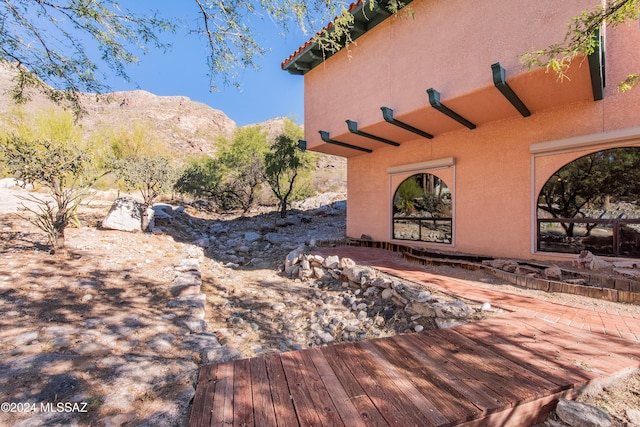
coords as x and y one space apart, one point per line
450 46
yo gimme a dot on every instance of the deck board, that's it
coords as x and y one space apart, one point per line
451 376
506 370
449 400
522 348
202 401
488 372
446 401
282 403
316 395
222 411
385 395
264 411
242 394
345 407
300 394
468 375
403 379
353 390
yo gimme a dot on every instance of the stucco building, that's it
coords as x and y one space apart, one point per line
441 96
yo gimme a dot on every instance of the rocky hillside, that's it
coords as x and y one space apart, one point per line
190 128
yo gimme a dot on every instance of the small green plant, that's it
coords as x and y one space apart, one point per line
406 195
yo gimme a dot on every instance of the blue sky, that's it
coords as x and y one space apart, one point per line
264 94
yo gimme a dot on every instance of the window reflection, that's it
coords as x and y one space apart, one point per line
593 204
422 210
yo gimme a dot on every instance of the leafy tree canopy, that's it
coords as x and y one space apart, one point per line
50 40
287 167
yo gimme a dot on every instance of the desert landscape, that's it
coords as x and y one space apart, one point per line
96 325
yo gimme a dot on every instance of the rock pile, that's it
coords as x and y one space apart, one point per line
257 240
378 305
585 261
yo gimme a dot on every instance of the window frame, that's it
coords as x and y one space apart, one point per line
444 169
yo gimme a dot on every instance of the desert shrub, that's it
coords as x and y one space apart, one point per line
406 195
151 175
61 167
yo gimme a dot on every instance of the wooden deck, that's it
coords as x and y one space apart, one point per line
506 370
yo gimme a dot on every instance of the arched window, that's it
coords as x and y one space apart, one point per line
593 203
422 210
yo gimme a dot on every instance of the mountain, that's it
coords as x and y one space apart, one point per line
186 125
189 128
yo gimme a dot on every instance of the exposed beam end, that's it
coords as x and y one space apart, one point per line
353 128
387 115
499 80
434 100
326 137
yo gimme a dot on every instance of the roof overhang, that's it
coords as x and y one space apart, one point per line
526 93
311 55
516 97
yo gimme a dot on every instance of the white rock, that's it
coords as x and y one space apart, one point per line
126 215
448 323
423 296
420 308
346 262
578 414
634 416
452 310
332 261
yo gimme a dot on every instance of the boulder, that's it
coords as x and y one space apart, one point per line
332 261
126 215
9 183
252 236
346 262
359 274
162 211
554 273
588 261
452 310
526 270
448 323
292 259
503 264
421 309
578 414
276 238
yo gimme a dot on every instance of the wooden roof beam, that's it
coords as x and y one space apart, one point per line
499 80
434 100
353 128
327 138
387 114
